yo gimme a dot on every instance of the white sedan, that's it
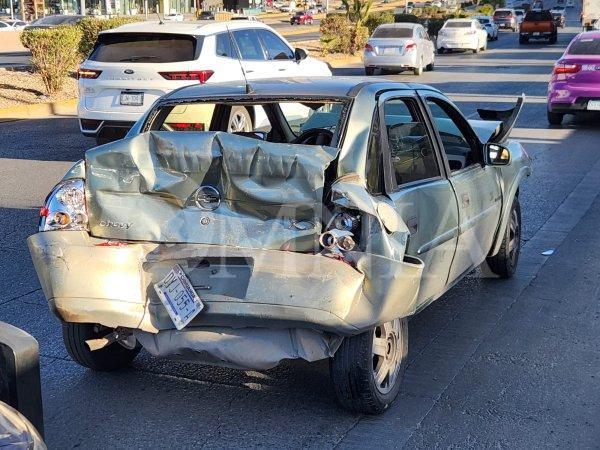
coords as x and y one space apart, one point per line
462 34
490 26
398 47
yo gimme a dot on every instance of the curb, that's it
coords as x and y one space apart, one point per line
39 110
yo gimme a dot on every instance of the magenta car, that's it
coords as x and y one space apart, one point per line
575 84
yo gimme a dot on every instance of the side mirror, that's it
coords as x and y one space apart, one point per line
496 155
300 54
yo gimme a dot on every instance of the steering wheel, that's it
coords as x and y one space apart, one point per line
314 136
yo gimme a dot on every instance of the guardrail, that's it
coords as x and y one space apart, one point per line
20 374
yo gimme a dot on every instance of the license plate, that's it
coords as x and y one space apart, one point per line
179 297
390 51
536 33
132 98
593 105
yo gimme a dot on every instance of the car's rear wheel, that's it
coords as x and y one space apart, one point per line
419 69
553 39
441 51
367 369
504 263
369 70
555 118
112 357
239 120
431 65
523 40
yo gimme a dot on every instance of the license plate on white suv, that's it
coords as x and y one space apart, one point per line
593 105
132 98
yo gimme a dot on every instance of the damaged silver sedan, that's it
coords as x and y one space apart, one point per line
347 206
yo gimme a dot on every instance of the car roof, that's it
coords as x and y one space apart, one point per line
594 34
194 28
400 25
324 87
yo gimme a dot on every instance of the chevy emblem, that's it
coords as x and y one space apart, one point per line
207 198
128 71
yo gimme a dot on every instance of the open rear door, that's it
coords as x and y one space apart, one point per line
507 117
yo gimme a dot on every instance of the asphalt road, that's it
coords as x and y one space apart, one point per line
492 363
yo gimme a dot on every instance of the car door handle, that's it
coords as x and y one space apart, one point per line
249 71
281 70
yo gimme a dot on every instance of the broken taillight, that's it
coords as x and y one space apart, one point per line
88 73
201 76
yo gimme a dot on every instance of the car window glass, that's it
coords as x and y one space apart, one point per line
306 116
458 25
456 144
411 150
3 25
223 45
276 48
249 45
392 32
149 48
585 46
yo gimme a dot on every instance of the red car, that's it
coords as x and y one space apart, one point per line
301 18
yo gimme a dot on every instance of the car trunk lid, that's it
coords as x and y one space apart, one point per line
207 187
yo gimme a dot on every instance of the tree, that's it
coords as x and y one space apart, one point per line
358 10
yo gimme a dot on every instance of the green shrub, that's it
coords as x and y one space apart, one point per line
485 10
340 35
90 27
54 53
410 18
378 18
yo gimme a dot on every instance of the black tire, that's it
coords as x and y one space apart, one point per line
441 51
369 70
112 357
553 39
555 118
352 371
504 263
523 40
430 67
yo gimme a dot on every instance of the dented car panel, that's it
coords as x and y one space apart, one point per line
245 219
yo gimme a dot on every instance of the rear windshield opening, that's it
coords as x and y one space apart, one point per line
458 25
392 32
502 14
585 47
145 48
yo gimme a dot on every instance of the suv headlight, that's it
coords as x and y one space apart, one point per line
65 207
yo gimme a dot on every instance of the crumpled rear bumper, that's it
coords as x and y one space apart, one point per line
87 281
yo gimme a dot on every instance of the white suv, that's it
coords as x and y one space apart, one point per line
133 65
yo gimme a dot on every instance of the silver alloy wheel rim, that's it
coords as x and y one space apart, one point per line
387 355
514 235
238 122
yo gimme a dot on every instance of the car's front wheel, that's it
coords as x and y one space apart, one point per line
112 357
504 263
369 70
367 369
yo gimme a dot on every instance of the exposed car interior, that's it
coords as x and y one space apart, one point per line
308 123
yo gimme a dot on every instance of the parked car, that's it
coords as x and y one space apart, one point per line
175 17
506 18
575 84
490 26
301 18
559 19
206 15
296 240
135 64
12 25
538 25
54 21
398 47
462 34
